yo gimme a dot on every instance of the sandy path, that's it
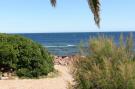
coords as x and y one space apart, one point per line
59 82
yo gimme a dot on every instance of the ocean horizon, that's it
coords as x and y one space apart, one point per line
67 44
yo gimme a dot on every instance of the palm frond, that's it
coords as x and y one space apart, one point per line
94 5
53 2
95 8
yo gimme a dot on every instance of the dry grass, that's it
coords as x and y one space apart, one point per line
107 66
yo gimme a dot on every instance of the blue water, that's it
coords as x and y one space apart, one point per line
68 43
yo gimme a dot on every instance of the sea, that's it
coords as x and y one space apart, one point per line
67 44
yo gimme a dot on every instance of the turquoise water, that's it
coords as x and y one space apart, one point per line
64 44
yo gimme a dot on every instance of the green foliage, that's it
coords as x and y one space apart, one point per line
106 67
25 57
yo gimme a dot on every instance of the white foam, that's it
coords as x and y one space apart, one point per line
71 45
60 46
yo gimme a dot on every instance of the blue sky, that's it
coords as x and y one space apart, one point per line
26 16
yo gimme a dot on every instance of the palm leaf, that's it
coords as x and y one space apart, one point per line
94 6
53 2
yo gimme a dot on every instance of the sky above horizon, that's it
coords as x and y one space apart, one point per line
31 16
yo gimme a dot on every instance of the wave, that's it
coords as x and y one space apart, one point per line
60 46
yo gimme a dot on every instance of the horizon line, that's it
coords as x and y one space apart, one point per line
63 32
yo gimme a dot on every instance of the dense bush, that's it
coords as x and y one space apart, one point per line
23 56
108 66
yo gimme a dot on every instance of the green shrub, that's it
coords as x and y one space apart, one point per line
26 57
108 66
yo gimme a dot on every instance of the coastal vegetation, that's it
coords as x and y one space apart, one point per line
24 57
106 66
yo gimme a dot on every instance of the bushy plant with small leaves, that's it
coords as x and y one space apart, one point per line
24 57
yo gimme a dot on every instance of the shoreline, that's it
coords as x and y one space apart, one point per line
63 60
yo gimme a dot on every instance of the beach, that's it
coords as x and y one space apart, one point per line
59 82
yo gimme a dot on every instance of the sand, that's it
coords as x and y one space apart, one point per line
59 82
